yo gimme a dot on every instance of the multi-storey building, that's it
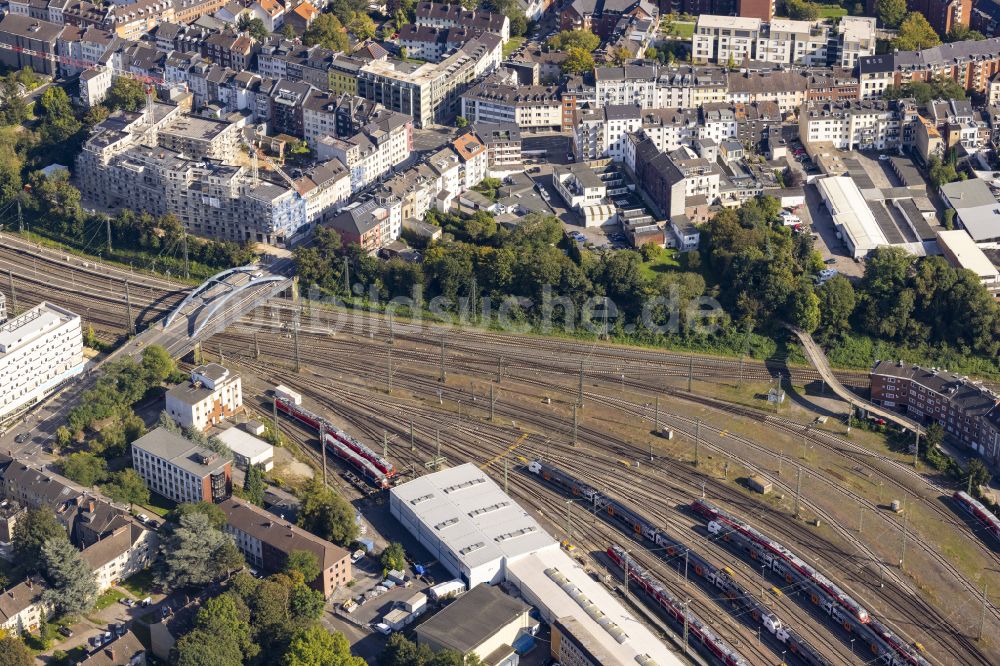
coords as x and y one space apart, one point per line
669 129
384 141
943 15
122 164
631 84
851 125
123 553
213 395
788 88
39 350
189 11
600 133
430 92
970 63
267 540
82 48
724 39
687 87
426 43
371 224
602 18
179 470
29 42
503 146
441 15
968 412
21 607
528 107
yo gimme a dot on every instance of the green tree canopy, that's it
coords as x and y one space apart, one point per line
128 487
84 468
890 12
30 532
72 586
574 39
801 10
315 646
216 518
393 557
303 564
127 94
578 61
327 31
13 652
326 514
196 553
253 485
253 26
915 33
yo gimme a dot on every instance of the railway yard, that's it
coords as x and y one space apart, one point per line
428 395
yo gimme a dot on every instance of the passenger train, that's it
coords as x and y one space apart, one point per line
982 514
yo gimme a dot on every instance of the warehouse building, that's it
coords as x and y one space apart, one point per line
854 221
468 523
481 535
39 350
959 248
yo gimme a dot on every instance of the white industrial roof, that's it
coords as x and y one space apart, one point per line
851 212
734 22
30 325
243 443
471 515
561 587
960 244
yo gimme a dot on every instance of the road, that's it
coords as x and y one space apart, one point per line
816 356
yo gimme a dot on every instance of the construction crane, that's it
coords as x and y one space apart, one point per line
255 154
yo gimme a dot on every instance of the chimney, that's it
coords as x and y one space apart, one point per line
30 585
91 505
111 653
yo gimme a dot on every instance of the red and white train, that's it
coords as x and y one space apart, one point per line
888 647
376 470
982 514
719 648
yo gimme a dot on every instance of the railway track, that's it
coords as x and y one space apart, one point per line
733 496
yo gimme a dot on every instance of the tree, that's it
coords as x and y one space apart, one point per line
127 487
941 173
801 10
64 437
934 436
949 219
315 646
977 474
227 617
253 485
14 108
84 468
72 586
253 26
574 39
30 534
288 32
393 557
804 311
305 603
962 33
327 514
158 363
578 61
125 93
400 651
13 652
362 26
620 56
58 120
518 23
302 564
196 553
890 12
836 304
203 648
326 31
461 121
915 34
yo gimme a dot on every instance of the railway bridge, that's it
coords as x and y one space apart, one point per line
818 359
218 302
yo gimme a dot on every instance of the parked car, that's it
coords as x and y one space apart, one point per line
143 518
119 629
883 157
21 438
382 628
66 631
831 260
108 637
357 555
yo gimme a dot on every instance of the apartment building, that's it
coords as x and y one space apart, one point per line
602 18
669 129
213 395
943 15
725 39
121 164
385 141
371 224
177 469
503 147
39 350
123 553
197 136
441 15
968 412
82 48
21 607
631 84
432 44
972 64
29 42
326 188
430 92
600 133
688 87
189 11
788 88
267 540
498 101
851 125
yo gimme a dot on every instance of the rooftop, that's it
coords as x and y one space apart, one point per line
851 212
181 452
32 325
471 515
473 618
967 254
243 443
